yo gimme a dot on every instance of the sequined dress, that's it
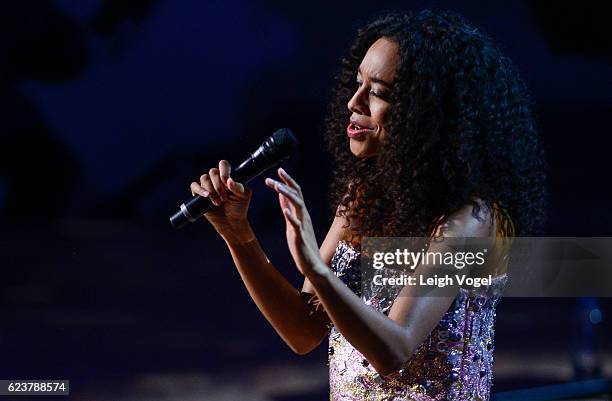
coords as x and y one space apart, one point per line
454 363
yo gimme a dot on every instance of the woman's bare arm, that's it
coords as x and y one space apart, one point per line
388 342
279 302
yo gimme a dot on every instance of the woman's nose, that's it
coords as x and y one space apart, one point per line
357 103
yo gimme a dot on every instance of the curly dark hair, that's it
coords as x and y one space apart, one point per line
460 128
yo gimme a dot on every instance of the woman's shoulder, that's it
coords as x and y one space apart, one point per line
475 219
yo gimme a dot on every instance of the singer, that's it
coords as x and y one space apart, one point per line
432 136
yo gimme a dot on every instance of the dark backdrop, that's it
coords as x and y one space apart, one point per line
109 109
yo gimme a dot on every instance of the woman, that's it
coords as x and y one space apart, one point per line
440 143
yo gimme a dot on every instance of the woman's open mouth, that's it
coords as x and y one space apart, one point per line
356 131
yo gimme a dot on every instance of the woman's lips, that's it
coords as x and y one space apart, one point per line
355 131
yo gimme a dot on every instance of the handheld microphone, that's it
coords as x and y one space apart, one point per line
272 151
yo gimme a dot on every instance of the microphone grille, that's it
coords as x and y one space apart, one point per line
284 141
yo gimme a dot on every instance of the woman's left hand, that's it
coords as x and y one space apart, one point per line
300 234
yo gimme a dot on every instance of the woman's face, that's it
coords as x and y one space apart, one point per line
370 104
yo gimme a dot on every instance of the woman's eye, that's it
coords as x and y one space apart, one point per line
382 95
373 92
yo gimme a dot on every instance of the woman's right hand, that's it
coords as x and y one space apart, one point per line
231 200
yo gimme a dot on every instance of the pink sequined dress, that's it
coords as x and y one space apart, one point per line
454 363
